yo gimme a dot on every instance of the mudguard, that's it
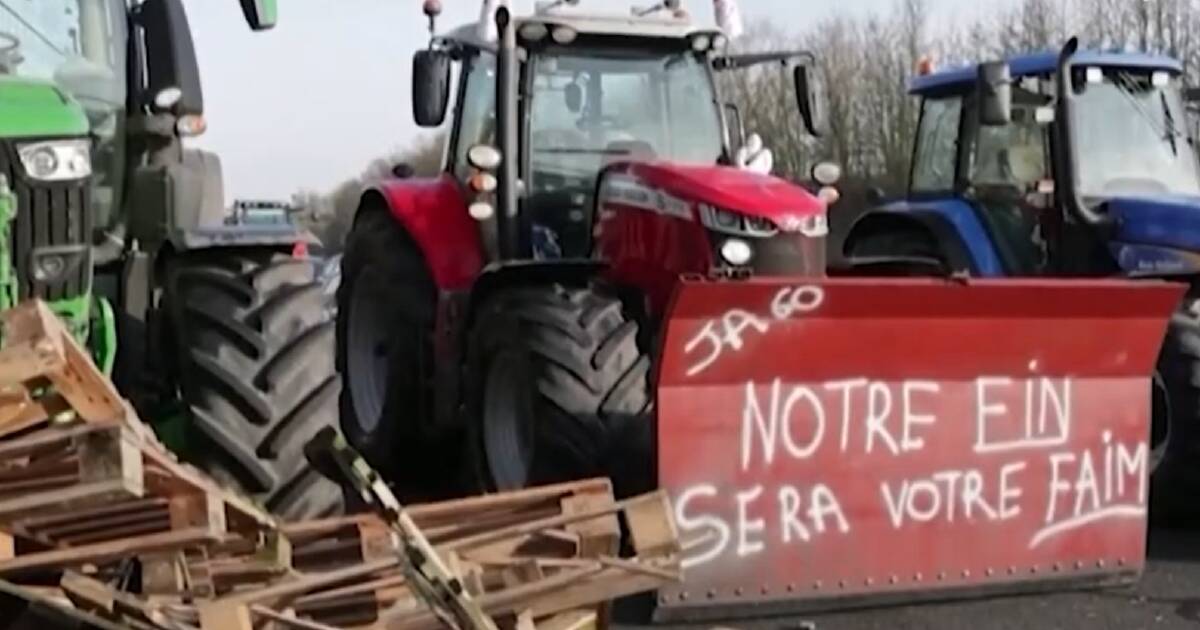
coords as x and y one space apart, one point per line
434 213
860 441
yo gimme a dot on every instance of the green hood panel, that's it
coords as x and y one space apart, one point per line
30 108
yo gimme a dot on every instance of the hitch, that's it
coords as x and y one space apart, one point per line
431 579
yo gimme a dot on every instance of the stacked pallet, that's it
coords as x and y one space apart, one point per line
99 520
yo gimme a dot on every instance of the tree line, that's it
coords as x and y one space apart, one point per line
867 62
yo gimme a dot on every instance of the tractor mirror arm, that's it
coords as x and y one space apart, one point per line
742 61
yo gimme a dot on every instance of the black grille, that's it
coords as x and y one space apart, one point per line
789 254
52 225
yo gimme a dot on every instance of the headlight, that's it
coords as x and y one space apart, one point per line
733 223
57 160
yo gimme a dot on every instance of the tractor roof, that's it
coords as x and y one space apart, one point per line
655 26
1041 64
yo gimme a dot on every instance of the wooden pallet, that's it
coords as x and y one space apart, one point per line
86 489
82 479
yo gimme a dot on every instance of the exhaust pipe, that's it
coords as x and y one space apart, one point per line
507 77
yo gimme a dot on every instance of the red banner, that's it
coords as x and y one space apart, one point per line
854 439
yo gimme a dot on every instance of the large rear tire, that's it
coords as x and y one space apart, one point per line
254 353
386 305
559 391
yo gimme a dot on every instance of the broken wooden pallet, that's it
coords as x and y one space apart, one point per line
82 479
530 567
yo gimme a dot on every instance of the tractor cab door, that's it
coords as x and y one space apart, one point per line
1010 180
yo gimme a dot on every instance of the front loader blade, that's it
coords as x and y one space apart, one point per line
864 441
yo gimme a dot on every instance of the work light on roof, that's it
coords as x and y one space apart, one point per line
564 35
534 31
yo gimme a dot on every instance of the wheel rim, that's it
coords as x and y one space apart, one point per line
1160 425
507 422
367 353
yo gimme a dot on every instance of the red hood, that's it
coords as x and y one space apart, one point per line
730 188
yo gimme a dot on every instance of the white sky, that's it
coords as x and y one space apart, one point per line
312 102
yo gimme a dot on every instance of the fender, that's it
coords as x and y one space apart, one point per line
953 249
434 213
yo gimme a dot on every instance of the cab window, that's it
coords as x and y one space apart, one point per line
935 163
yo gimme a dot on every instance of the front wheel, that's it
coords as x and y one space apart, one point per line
559 391
1175 435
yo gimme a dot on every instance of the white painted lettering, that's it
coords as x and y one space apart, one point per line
1010 492
789 514
823 504
908 442
879 407
689 523
748 526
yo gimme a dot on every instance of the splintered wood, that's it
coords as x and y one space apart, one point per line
100 520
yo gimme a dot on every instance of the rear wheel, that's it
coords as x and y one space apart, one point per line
255 368
386 303
558 392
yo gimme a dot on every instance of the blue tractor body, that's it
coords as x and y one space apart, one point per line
1069 164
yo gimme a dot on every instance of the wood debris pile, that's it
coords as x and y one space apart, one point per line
102 526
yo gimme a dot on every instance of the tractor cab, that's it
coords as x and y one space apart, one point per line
1071 163
591 92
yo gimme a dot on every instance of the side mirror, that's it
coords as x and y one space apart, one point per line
430 87
810 90
171 56
995 94
403 171
261 15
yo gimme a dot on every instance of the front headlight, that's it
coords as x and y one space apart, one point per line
727 222
56 160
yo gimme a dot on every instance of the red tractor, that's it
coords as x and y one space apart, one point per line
600 283
546 288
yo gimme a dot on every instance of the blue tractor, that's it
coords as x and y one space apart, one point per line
1069 164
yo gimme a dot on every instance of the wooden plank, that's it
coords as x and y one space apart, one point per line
107 551
570 620
310 583
651 526
222 615
288 621
30 346
596 537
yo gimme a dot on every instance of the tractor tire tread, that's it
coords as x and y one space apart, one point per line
257 373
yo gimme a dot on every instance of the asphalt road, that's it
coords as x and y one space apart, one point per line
1167 598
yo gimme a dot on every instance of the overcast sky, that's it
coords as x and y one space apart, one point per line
311 102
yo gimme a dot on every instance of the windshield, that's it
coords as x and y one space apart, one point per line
1131 137
79 44
590 107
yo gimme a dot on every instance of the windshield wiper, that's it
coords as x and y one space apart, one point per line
1165 131
1169 122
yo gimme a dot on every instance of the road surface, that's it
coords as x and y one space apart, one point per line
1167 598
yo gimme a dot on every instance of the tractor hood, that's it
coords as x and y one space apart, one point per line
1163 221
733 189
37 109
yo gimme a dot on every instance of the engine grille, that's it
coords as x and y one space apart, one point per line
52 224
789 254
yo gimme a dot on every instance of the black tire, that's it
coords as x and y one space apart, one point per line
559 391
254 353
1176 431
386 304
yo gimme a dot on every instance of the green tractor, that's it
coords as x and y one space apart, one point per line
224 339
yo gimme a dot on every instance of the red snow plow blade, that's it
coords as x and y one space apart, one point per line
863 441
